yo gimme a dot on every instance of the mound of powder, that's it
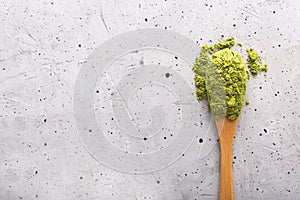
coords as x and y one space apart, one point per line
221 76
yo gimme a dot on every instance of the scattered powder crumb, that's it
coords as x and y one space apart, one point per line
247 102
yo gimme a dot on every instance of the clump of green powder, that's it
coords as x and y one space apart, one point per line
228 43
221 75
254 62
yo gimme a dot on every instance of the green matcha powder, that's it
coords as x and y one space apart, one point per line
221 76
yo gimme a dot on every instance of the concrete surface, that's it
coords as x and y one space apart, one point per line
45 44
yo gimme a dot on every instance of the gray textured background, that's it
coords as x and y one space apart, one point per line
43 45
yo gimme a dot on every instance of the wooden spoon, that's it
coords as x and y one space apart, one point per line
226 129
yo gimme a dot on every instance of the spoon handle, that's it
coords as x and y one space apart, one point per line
226 179
226 129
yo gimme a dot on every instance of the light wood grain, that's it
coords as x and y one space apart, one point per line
226 130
